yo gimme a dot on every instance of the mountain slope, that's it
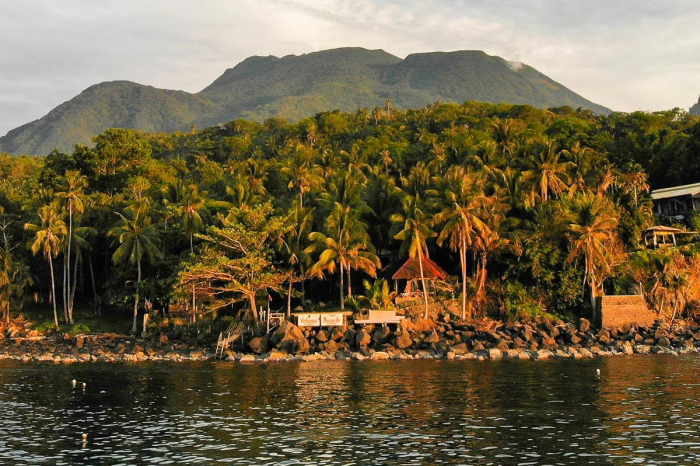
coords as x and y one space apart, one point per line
293 87
695 109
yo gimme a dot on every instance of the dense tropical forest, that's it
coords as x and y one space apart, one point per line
531 211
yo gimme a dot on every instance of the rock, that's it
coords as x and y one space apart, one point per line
403 340
642 349
450 355
337 333
477 346
247 358
362 338
459 349
289 338
573 338
357 356
276 355
502 345
584 325
323 336
259 345
163 338
432 337
495 353
380 355
663 341
79 341
381 335
423 325
331 347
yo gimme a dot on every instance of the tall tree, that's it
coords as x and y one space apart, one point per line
417 229
346 247
464 199
592 237
48 236
137 239
73 197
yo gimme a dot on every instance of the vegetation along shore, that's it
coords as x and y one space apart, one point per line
512 221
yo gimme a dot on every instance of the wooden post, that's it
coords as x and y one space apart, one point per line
145 323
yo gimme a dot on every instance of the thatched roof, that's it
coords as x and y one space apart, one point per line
411 270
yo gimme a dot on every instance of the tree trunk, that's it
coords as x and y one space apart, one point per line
64 288
463 261
349 283
95 303
134 327
342 300
194 304
251 298
53 294
422 279
289 300
70 241
71 298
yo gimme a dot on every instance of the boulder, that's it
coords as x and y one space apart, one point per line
288 337
381 335
584 325
495 353
259 345
362 338
331 347
460 348
403 340
432 337
380 355
323 336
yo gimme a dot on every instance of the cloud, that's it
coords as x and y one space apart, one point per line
625 54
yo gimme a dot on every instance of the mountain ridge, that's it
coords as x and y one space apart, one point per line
294 87
695 109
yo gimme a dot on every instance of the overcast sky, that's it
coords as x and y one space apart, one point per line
625 54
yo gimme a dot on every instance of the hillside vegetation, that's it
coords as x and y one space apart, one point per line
529 210
294 87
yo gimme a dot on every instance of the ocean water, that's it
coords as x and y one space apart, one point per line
639 410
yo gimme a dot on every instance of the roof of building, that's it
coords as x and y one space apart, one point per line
676 191
662 229
411 270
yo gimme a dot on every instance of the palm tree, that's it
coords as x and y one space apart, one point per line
592 236
190 210
137 241
462 217
417 228
49 234
73 195
549 174
294 243
347 247
304 176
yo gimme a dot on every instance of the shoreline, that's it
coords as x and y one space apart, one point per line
414 339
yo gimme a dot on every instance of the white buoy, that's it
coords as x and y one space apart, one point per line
74 382
597 371
84 437
84 385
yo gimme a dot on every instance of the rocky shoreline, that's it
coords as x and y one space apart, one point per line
413 339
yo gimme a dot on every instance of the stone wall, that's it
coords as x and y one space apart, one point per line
617 311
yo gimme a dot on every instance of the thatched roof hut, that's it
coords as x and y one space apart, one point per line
411 270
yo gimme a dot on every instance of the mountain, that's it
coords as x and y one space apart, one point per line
695 109
294 87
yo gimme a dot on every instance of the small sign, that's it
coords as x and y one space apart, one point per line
309 320
332 320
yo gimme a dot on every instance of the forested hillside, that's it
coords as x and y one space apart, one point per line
529 210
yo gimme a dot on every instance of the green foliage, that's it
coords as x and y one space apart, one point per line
546 201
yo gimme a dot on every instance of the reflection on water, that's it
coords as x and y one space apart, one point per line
641 409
